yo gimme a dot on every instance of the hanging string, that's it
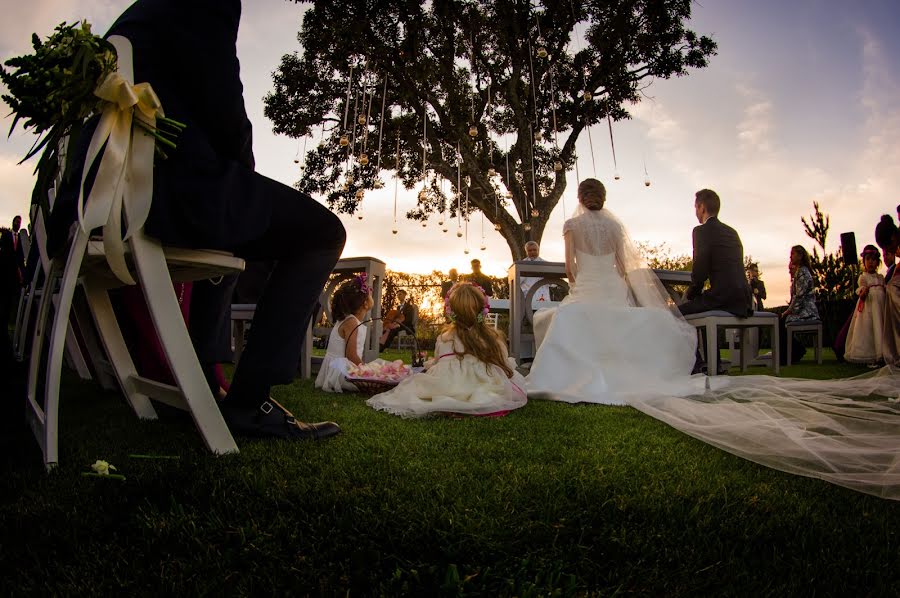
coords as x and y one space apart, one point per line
347 101
397 178
352 147
368 119
458 189
612 143
467 220
381 125
537 128
591 143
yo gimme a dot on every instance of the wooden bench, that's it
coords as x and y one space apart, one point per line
711 321
813 326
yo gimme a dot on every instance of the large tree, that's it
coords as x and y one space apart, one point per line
469 86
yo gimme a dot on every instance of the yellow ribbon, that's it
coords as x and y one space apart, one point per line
124 181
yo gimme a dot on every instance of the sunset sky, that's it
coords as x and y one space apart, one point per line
801 104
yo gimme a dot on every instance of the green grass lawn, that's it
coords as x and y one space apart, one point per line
553 499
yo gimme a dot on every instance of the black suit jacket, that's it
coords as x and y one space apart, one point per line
205 194
719 258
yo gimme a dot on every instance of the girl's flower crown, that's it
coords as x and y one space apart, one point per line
448 311
361 280
870 250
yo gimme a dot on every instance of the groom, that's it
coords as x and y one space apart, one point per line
718 258
207 195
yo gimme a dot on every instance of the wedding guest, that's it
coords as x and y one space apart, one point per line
453 278
402 317
206 194
481 279
10 285
20 242
346 344
888 236
867 326
757 286
802 307
471 372
532 254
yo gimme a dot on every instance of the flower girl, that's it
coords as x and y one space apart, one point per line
471 372
349 305
865 333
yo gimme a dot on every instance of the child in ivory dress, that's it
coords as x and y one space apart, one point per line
349 306
867 326
471 372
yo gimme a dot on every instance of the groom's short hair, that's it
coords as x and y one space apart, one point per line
710 200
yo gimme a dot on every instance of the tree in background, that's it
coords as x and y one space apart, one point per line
469 87
834 279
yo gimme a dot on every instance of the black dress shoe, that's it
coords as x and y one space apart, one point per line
271 421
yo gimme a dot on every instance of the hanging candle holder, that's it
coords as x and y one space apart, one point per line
557 166
587 96
497 227
538 136
527 226
361 119
491 173
459 233
483 246
646 181
616 176
377 184
345 140
535 213
363 159
542 52
473 131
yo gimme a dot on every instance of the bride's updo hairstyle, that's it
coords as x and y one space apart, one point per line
465 307
592 194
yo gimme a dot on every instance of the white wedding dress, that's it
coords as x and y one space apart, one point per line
617 340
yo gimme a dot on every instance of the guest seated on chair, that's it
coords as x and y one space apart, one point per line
403 317
803 302
718 258
207 195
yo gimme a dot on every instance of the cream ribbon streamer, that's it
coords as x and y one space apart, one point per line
124 179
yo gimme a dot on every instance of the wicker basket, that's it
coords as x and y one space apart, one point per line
370 387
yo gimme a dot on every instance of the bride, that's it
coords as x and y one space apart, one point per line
618 339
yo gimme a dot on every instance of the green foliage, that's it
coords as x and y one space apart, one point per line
459 66
659 257
551 500
834 279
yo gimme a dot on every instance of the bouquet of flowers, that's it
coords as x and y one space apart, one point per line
55 89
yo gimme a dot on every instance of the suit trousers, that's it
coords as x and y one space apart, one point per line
300 246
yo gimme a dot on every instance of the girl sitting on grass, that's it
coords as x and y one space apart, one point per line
471 372
349 306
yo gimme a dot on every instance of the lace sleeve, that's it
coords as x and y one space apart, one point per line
568 226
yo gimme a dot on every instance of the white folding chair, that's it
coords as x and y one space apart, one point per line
155 267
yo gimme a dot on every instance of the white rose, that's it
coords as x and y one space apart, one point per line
102 467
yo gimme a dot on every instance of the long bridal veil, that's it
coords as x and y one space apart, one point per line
845 431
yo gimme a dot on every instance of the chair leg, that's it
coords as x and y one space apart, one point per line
789 343
819 346
165 312
34 412
745 349
57 345
116 349
712 350
776 349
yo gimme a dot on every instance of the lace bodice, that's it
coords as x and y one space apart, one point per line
595 232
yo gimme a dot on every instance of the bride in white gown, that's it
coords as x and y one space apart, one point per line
617 339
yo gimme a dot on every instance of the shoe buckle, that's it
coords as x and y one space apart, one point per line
266 407
289 420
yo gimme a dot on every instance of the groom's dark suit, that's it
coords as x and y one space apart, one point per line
719 258
207 195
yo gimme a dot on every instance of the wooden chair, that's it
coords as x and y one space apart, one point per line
711 321
809 326
155 267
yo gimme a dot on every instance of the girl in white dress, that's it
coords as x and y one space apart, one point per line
349 306
471 372
867 326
